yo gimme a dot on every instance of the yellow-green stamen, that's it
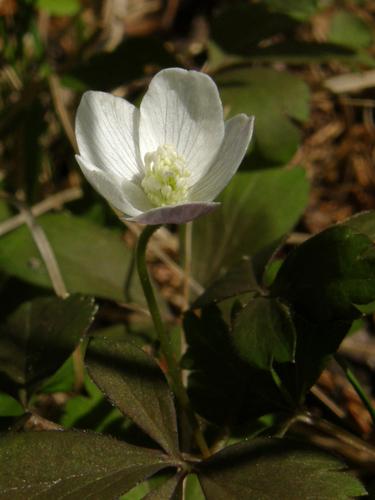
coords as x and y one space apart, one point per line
165 180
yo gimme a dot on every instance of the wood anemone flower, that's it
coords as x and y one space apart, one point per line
167 161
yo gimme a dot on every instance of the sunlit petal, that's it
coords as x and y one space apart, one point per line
238 132
107 133
108 185
183 109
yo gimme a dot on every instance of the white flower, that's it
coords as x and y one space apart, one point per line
167 161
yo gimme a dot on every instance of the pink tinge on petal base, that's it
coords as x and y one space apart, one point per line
174 214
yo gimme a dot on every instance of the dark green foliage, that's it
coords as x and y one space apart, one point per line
133 382
256 203
93 259
72 464
266 469
40 335
264 332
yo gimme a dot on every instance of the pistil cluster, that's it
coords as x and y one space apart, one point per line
166 177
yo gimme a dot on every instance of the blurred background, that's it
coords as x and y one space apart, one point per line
304 68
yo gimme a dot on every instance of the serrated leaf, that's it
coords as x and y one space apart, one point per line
274 98
72 464
40 335
266 469
327 274
264 332
92 411
349 30
93 260
131 379
256 211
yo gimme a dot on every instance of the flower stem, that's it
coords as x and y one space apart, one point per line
173 372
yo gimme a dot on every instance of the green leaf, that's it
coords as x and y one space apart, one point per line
10 407
267 469
193 490
263 332
140 491
60 7
93 260
107 70
62 464
40 335
131 379
300 52
239 279
349 30
298 9
275 99
363 222
222 387
257 210
169 490
62 380
323 280
93 411
230 27
325 276
215 379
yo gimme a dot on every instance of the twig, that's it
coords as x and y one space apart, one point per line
339 440
49 259
328 402
52 202
160 254
62 112
351 82
43 246
298 238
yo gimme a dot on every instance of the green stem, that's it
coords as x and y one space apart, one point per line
173 372
356 386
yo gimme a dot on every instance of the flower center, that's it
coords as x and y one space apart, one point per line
165 180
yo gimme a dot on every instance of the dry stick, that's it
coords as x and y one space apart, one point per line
362 449
62 112
328 402
52 202
52 267
161 255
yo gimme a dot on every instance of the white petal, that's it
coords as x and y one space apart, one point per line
135 195
108 185
183 108
107 133
175 214
238 132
